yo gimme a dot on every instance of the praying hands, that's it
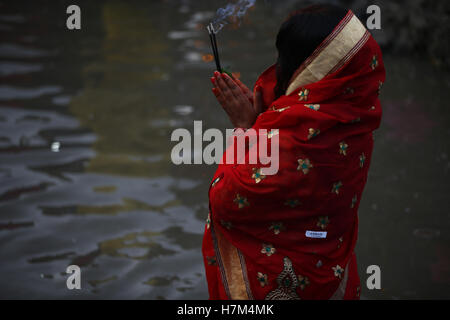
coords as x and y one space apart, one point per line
241 105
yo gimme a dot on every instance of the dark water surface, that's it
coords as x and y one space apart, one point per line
85 171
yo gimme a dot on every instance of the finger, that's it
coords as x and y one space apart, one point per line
241 85
245 95
220 98
216 92
215 79
216 75
244 89
226 91
258 101
235 89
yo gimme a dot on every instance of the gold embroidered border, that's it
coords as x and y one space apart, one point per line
341 45
340 291
231 267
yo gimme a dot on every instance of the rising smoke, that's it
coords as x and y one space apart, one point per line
233 11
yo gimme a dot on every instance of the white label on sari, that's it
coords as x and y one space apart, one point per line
316 234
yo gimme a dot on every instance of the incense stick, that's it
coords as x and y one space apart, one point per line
215 45
212 38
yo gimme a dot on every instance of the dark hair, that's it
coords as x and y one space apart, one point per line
299 35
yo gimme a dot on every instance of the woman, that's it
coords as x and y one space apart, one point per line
292 235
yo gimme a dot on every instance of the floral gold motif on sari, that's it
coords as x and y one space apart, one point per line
211 261
304 165
215 181
302 281
323 222
292 203
362 159
277 227
303 94
380 84
343 148
349 90
282 109
314 107
268 249
336 187
354 200
262 278
257 175
312 133
226 224
338 271
272 133
341 239
319 264
287 284
241 201
374 62
208 220
372 108
274 108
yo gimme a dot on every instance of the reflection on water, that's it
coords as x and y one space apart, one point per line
85 171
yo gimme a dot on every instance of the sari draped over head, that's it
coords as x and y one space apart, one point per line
291 235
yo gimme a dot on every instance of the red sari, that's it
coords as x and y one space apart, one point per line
292 235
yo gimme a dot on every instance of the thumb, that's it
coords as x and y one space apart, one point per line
257 100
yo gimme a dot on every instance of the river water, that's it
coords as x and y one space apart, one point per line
85 171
